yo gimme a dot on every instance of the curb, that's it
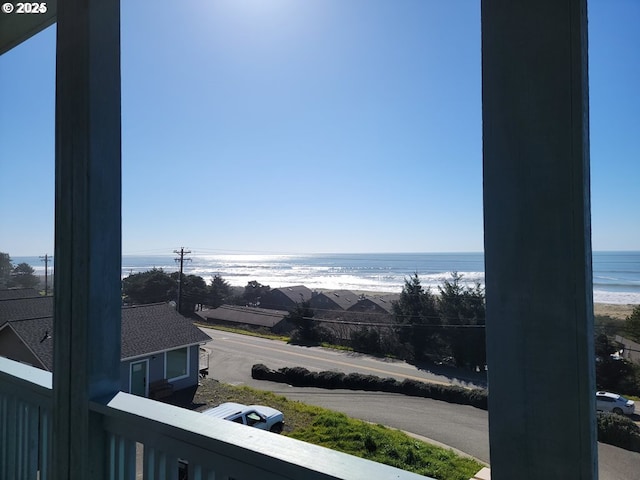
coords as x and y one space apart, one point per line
484 474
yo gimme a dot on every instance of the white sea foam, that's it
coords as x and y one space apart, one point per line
616 274
622 298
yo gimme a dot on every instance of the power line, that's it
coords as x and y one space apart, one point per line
395 325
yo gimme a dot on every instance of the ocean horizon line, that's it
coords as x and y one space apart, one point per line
616 274
236 252
205 251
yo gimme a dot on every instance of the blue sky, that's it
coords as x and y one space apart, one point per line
295 126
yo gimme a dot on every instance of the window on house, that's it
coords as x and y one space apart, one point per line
177 363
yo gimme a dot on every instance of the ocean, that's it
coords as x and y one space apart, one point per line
616 275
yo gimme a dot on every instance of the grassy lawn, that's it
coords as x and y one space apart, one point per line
337 431
263 333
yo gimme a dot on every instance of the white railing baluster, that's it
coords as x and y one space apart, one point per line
10 470
162 437
44 452
161 466
4 437
149 463
171 467
31 418
122 458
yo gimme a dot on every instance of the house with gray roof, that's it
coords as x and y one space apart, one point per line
333 300
376 303
160 349
234 315
25 308
630 349
285 298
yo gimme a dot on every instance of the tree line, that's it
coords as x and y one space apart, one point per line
447 326
156 285
16 276
612 372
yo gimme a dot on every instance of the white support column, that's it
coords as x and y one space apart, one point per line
538 240
87 305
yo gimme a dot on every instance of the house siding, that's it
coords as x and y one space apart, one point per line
156 370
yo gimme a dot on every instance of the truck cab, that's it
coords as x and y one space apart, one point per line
257 416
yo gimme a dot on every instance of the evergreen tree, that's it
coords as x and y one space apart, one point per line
307 329
632 325
415 314
22 276
462 310
152 286
194 291
253 292
219 291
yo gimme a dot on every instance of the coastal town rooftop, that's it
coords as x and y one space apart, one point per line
77 425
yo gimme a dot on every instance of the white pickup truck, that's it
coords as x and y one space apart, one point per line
257 416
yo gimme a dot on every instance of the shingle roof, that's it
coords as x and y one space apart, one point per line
246 315
155 328
383 302
295 293
343 299
146 329
37 335
24 308
14 293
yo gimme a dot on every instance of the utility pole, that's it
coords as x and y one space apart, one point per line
46 259
182 253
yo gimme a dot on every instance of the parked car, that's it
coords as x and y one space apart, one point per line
612 402
257 416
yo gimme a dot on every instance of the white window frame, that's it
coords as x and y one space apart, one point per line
188 369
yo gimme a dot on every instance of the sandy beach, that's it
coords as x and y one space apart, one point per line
613 310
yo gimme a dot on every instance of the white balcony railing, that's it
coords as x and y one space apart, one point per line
152 440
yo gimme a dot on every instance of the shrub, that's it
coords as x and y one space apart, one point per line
261 372
329 379
366 340
359 381
370 444
618 431
297 376
301 377
478 398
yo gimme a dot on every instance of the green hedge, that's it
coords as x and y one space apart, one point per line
619 431
301 377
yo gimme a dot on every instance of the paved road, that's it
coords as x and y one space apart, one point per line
461 427
235 354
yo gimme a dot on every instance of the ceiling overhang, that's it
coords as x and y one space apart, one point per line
16 27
